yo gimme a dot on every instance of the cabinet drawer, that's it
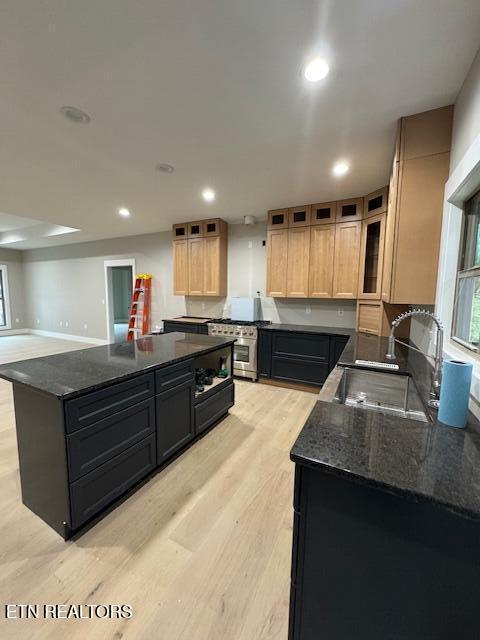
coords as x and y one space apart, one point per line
97 405
299 370
301 344
90 447
99 488
208 412
173 375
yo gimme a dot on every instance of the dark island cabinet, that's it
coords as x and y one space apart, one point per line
175 425
184 327
298 357
79 456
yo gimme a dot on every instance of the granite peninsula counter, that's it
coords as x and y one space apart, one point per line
94 423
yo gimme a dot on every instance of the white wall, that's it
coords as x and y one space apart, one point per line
466 124
13 260
66 284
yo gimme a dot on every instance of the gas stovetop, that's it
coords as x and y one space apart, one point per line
239 323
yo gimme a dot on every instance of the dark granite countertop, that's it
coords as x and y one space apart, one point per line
69 374
424 461
306 328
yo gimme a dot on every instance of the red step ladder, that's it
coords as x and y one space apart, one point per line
139 322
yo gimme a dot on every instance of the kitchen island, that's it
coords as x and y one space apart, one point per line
386 518
94 423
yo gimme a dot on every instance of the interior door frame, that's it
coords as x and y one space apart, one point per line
107 266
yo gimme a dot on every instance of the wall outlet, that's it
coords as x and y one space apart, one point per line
17 320
38 320
66 323
103 301
250 244
85 326
308 310
203 306
61 323
341 312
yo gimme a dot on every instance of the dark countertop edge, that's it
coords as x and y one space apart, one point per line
201 320
132 374
300 328
382 486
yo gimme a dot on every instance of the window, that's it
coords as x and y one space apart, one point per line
466 321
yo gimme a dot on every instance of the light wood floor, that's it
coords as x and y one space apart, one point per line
201 552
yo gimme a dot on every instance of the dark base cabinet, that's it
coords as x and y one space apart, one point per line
184 327
78 457
175 419
370 565
293 356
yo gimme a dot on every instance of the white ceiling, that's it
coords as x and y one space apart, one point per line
214 88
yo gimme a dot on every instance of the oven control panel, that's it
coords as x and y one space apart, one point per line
237 331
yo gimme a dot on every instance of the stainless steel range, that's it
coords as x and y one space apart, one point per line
245 348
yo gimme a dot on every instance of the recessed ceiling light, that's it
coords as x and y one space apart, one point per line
75 115
163 167
340 168
316 70
125 213
208 195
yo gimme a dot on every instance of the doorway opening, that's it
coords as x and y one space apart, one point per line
119 283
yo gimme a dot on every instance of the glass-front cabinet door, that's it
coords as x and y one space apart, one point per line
371 258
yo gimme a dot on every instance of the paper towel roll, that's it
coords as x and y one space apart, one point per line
455 393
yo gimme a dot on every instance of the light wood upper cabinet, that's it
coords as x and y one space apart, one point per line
196 264
215 255
299 216
375 203
425 134
277 251
349 210
322 243
371 258
345 267
277 219
180 267
415 208
298 262
200 259
323 213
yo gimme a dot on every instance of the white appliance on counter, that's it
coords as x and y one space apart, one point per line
245 309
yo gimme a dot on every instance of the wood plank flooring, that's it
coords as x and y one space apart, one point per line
202 552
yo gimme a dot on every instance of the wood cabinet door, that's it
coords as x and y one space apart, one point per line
322 243
369 317
277 219
298 262
323 213
196 265
180 267
418 229
349 210
371 258
277 247
345 269
390 233
174 419
299 216
215 267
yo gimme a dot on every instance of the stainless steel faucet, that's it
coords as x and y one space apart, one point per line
438 358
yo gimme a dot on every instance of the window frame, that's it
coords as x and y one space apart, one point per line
463 273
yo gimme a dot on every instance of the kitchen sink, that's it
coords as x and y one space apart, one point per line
376 391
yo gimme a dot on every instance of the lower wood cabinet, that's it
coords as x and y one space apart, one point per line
175 424
346 260
298 262
180 267
196 266
277 253
322 243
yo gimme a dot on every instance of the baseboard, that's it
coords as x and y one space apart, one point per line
298 386
66 336
13 332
